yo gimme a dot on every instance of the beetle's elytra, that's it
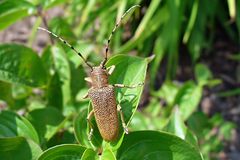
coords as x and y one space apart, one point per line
105 111
101 93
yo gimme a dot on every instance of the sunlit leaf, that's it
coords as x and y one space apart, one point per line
191 21
19 64
148 15
232 8
63 69
11 11
168 91
108 154
63 152
89 154
55 60
20 91
78 84
59 26
12 125
188 98
176 126
156 145
16 148
129 71
202 73
47 122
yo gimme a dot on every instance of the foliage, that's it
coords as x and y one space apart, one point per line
46 115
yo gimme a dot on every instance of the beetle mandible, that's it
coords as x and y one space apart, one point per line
101 93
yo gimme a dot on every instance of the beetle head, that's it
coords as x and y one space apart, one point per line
99 77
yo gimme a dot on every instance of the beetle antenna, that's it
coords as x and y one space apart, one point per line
69 45
113 31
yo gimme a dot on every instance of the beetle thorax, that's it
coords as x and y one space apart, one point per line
99 77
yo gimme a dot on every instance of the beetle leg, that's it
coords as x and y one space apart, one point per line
85 96
126 86
90 115
119 108
110 69
88 79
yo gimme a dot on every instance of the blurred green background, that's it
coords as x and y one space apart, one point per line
192 83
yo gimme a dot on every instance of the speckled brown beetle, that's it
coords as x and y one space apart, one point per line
101 93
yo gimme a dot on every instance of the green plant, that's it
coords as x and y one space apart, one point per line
46 117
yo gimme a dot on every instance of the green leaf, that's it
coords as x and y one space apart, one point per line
147 17
156 145
198 122
62 137
51 3
78 84
21 91
60 27
6 94
12 125
232 8
16 148
56 62
81 46
82 130
108 154
176 126
129 71
159 50
84 16
19 64
229 93
191 21
47 60
238 17
226 130
63 152
47 122
11 11
188 98
62 67
53 91
89 154
151 118
168 91
156 22
139 122
202 73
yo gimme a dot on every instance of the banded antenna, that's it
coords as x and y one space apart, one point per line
69 45
113 31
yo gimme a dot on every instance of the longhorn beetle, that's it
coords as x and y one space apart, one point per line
101 93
